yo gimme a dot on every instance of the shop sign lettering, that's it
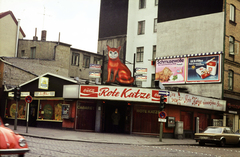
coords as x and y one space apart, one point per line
121 93
196 101
147 111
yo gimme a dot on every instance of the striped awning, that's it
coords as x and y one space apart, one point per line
189 55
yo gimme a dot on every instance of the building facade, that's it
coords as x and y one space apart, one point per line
201 35
9 35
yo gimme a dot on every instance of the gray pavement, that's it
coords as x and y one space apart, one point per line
94 137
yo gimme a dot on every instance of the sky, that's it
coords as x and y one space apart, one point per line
77 21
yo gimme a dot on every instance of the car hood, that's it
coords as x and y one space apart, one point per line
8 138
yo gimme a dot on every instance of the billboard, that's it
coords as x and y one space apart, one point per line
204 69
170 70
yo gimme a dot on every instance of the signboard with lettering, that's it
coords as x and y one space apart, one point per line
170 70
204 69
43 83
121 93
183 99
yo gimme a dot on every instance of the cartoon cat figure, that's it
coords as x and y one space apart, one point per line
117 67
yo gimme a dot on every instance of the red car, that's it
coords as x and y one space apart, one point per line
11 143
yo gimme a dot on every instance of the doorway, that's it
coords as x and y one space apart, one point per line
33 113
109 122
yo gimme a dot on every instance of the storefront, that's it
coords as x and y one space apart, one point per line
47 108
232 115
138 109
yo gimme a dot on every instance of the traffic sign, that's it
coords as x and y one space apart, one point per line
162 115
163 92
28 99
162 120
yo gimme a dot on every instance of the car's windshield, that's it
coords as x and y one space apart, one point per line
213 130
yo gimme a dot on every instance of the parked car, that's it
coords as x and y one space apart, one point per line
10 142
218 135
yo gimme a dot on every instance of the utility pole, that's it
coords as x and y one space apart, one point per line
17 96
162 106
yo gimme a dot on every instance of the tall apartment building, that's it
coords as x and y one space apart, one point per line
131 24
142 37
201 32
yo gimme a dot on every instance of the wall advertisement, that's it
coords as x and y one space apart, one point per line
204 69
200 69
183 99
170 70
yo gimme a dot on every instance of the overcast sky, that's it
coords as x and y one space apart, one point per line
76 20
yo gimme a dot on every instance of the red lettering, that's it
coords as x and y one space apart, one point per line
105 92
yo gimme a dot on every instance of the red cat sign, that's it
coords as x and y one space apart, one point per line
120 71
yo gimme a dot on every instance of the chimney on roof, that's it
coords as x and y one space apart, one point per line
35 38
44 35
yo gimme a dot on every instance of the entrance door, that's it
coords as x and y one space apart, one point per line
111 123
86 114
33 113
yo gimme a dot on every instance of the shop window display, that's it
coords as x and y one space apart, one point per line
50 110
11 109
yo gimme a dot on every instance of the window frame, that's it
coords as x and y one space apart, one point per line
85 64
232 13
33 52
230 79
96 60
22 53
75 59
231 45
155 25
154 52
140 53
141 27
142 4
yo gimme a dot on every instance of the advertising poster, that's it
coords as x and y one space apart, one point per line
204 69
170 70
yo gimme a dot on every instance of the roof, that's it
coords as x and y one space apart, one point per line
58 76
189 55
3 14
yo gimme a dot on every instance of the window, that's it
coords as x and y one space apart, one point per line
155 25
97 61
232 13
142 4
22 53
231 45
156 2
75 58
141 27
139 83
86 61
50 110
153 80
154 52
11 109
33 52
140 54
230 80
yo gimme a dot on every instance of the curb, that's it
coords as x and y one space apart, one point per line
100 142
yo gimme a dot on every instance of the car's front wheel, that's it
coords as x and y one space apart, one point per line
201 143
222 143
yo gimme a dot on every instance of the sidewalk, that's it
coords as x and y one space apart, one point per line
71 135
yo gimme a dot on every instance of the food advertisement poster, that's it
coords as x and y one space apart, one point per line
170 70
204 69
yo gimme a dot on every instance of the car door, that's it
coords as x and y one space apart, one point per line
230 136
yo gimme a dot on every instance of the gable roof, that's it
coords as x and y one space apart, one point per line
54 75
3 14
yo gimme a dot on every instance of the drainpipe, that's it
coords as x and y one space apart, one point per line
223 56
17 38
54 50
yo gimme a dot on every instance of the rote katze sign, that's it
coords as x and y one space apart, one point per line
119 93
